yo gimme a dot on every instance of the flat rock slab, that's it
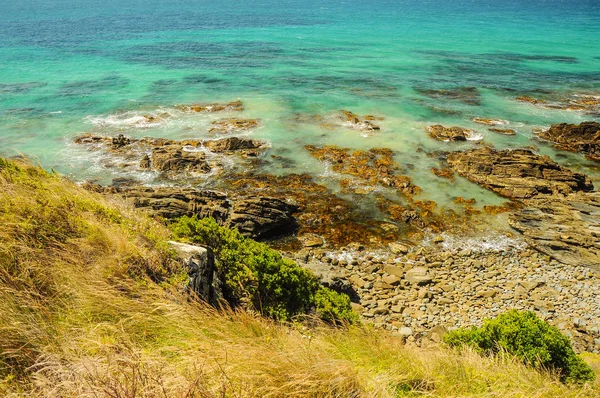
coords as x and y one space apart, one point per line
517 173
567 230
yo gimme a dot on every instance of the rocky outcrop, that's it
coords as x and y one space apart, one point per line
199 262
585 103
442 133
518 173
174 158
255 216
584 138
567 230
490 122
374 167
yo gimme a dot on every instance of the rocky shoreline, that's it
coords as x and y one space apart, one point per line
418 288
420 292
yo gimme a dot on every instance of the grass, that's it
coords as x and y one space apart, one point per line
91 305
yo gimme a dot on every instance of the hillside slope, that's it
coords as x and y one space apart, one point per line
91 304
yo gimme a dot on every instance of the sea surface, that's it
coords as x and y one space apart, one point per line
74 66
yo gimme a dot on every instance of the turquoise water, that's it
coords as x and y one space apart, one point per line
74 66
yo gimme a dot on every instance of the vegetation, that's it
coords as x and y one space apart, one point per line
91 306
530 339
259 276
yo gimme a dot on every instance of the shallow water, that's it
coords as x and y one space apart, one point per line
68 67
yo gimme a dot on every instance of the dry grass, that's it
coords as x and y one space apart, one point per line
90 306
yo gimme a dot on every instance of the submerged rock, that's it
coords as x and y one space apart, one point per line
233 125
518 173
466 95
358 123
584 138
210 108
490 122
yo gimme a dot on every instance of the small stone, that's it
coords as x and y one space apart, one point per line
419 276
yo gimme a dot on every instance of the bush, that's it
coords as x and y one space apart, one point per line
524 335
259 276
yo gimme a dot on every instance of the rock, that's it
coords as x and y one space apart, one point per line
518 173
233 125
564 229
442 133
358 123
398 248
393 270
490 122
255 216
487 293
584 138
405 332
210 108
200 265
232 144
419 276
120 141
392 280
173 158
311 240
145 162
503 131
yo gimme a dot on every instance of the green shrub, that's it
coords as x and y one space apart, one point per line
257 275
529 338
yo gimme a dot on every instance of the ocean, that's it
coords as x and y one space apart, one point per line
73 66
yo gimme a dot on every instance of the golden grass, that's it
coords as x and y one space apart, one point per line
91 306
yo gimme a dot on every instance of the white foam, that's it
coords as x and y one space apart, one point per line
472 135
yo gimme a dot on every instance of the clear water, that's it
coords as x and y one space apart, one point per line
73 66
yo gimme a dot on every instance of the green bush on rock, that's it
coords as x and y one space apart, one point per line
529 338
259 276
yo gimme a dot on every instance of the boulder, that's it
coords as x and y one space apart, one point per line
584 138
517 173
255 216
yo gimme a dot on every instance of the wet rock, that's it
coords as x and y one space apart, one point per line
233 125
232 144
174 158
518 173
120 141
442 133
255 216
584 138
358 123
398 248
503 131
490 122
375 166
210 108
145 162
